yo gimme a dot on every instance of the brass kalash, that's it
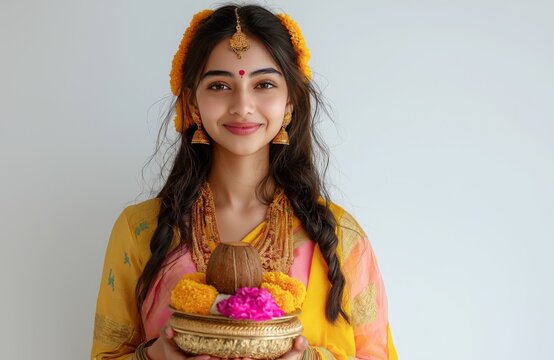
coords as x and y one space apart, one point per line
233 266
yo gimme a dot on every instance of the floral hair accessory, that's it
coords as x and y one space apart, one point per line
182 121
250 304
299 44
176 75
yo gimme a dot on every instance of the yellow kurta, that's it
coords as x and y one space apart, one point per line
117 331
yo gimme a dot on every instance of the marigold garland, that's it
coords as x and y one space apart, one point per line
176 75
299 44
193 297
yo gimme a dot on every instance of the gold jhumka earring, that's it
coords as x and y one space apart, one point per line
200 136
239 42
282 136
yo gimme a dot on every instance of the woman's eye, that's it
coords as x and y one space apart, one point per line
218 87
265 85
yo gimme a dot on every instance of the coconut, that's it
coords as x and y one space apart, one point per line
232 266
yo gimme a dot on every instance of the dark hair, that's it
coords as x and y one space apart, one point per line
292 167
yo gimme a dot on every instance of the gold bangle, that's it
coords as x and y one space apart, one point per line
140 352
310 354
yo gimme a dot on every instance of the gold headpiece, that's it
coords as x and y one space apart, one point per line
184 120
239 42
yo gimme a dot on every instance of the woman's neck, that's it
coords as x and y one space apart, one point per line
234 179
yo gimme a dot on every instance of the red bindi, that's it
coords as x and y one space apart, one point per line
241 73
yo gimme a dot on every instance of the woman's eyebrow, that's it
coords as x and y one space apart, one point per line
230 74
266 71
216 73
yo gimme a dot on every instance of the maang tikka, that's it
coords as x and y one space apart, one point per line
239 42
282 136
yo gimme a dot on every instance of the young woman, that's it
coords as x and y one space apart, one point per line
244 171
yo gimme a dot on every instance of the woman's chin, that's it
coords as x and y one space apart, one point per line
243 150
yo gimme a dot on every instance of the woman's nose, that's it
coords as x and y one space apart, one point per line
243 103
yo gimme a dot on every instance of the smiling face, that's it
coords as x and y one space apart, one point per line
242 102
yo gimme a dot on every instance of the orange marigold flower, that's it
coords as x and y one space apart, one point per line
299 44
199 277
193 297
176 75
276 282
179 117
283 298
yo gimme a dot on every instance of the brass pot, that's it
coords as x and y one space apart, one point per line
227 338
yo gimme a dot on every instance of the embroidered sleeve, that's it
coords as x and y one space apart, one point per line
116 326
368 302
329 353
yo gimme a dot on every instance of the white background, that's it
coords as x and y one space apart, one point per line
442 148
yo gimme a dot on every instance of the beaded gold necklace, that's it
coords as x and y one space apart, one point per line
274 242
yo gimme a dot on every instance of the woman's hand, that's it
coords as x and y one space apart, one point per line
300 344
165 348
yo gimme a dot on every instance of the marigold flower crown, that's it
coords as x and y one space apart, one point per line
182 122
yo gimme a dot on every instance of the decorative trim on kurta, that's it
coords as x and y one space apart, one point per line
109 331
332 353
350 234
364 306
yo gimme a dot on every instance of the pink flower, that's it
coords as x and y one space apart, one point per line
250 304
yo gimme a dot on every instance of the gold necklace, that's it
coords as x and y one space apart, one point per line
274 242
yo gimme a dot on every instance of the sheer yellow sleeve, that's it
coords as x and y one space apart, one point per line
367 297
367 335
116 326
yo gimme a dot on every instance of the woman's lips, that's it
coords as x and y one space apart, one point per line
242 128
